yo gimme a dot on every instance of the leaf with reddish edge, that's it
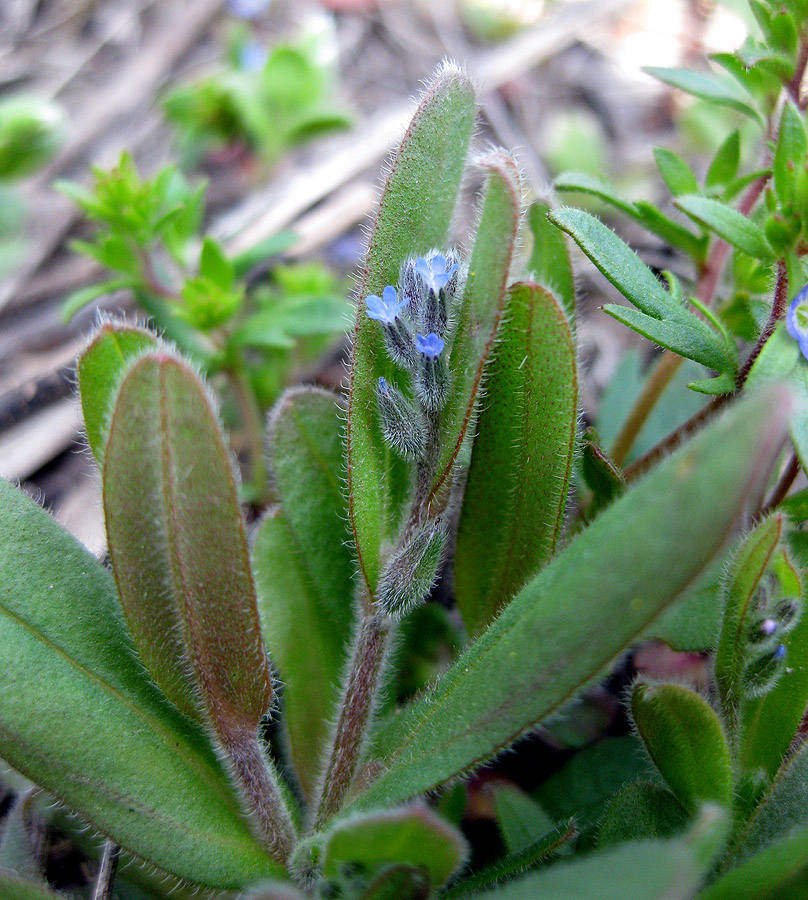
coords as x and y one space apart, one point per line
177 544
100 367
179 554
414 215
480 314
516 492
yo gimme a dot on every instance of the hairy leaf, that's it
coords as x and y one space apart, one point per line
415 836
178 548
414 214
101 366
122 757
549 264
516 491
733 226
480 313
686 741
304 572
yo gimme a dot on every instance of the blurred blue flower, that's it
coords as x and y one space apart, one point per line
434 271
252 56
797 320
248 9
431 346
386 308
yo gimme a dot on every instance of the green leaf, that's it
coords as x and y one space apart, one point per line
782 811
600 474
215 266
675 172
770 723
691 339
721 384
520 819
121 757
686 741
516 491
641 810
777 360
304 571
262 252
480 314
790 151
80 298
178 547
583 787
549 264
769 875
582 183
414 215
705 87
101 366
637 870
729 224
302 640
413 835
724 166
18 887
591 602
675 234
751 559
513 864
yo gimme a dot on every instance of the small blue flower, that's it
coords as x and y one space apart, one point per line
434 272
797 320
780 651
384 387
431 346
385 310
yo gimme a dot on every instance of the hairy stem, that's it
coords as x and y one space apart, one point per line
668 364
706 413
778 312
107 871
356 710
782 487
256 779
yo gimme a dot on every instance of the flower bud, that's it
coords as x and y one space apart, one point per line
412 571
763 672
402 424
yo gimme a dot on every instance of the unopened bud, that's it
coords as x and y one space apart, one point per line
763 672
412 570
402 424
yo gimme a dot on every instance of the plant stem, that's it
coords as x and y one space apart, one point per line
665 368
778 311
706 413
668 364
107 870
782 487
255 777
356 709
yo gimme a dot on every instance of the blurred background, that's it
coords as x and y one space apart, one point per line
286 110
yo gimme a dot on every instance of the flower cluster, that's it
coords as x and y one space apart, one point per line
416 321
